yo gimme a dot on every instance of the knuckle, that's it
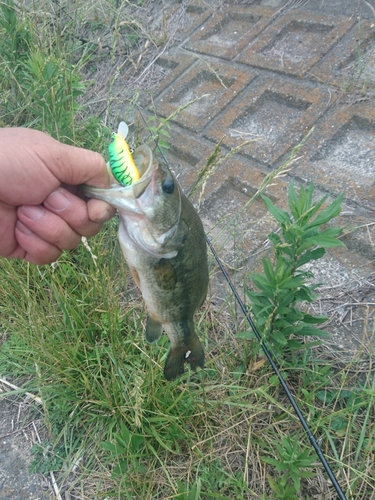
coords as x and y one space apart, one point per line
63 237
92 229
81 220
69 242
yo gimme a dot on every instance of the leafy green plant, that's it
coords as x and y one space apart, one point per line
16 44
290 461
187 492
284 284
45 458
52 88
126 449
158 128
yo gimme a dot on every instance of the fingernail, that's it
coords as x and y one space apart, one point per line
57 201
33 212
24 229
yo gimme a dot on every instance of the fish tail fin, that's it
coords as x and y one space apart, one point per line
153 330
190 351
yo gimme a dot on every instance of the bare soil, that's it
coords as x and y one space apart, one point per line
18 430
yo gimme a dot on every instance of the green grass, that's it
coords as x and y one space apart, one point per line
75 337
73 334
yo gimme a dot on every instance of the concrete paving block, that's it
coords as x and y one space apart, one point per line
352 60
177 17
174 63
278 86
245 177
237 223
340 155
195 8
273 3
274 113
187 156
215 83
193 14
237 242
295 42
349 8
238 227
354 263
198 11
227 33
345 298
358 236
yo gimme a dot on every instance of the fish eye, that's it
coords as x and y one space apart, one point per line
168 186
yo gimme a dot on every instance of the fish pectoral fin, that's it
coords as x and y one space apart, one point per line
165 274
153 330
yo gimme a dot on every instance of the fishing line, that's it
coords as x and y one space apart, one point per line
267 353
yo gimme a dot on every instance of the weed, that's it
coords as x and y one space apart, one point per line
284 284
127 449
291 461
158 126
46 459
158 130
186 493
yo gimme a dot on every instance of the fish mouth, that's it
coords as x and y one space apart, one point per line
124 197
143 159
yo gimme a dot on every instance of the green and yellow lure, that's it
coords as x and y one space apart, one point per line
121 161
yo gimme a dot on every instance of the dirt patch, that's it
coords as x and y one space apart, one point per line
17 435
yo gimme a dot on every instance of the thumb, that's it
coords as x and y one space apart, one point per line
73 166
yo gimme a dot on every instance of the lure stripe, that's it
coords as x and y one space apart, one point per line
121 161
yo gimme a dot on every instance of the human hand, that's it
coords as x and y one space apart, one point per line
41 210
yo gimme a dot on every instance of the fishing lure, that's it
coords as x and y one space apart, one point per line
121 161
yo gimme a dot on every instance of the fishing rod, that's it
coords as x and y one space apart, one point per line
301 418
267 353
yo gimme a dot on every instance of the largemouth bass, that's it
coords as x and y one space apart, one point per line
163 242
